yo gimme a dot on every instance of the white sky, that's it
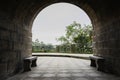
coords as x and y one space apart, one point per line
51 22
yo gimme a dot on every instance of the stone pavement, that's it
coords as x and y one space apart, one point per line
62 68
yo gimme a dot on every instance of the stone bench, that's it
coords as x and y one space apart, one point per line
29 62
97 62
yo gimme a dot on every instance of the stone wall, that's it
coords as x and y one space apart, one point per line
15 44
107 45
107 38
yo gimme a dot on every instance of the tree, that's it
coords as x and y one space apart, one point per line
38 46
72 31
78 37
63 40
35 45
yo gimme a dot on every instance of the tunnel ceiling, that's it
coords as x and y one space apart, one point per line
26 10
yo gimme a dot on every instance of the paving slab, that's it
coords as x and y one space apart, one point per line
63 68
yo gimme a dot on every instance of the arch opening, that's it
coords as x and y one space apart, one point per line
51 24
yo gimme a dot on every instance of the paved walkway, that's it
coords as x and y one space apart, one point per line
63 68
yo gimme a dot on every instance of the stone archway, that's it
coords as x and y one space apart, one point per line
16 19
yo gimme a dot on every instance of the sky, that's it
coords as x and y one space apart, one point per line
51 22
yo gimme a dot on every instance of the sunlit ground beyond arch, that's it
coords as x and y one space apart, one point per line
52 20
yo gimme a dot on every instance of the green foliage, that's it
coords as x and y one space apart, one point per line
62 39
77 39
38 46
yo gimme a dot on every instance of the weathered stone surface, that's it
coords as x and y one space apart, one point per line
62 68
